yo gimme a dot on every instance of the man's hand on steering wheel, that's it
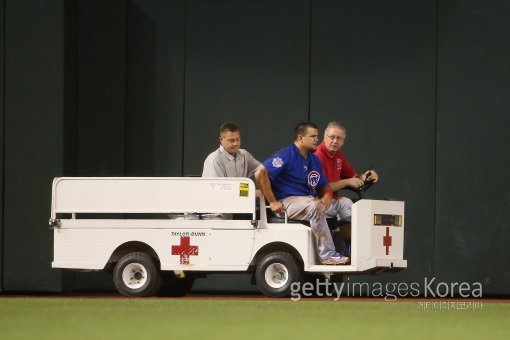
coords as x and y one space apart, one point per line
354 182
371 176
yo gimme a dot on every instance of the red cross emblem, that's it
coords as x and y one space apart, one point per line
387 241
185 250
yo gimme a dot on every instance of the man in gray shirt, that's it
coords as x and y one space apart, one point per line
229 160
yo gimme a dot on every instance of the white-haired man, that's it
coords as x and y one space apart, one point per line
340 174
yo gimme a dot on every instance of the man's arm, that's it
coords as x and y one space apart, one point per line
356 181
324 189
327 196
262 178
252 164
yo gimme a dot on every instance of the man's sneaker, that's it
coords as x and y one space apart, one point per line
336 259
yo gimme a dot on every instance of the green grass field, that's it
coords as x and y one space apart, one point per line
91 318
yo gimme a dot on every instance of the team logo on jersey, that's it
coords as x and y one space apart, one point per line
338 163
277 162
313 179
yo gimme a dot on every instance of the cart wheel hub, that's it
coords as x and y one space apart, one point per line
134 275
276 275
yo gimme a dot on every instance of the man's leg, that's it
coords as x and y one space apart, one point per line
344 215
344 209
341 210
311 209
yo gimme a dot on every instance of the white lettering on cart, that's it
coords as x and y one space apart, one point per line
180 233
187 233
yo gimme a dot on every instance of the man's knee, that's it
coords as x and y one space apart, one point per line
316 210
344 209
345 202
318 206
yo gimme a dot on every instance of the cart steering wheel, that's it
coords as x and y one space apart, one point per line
366 185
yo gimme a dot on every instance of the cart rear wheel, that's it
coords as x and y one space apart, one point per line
275 274
136 275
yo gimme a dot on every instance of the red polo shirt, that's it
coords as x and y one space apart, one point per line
335 166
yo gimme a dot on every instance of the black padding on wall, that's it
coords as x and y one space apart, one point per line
34 115
473 206
155 87
246 61
139 88
101 87
373 68
2 98
100 101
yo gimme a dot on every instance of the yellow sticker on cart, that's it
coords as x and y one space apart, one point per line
243 189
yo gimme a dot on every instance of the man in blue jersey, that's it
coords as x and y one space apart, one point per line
292 180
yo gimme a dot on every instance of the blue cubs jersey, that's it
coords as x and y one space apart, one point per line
291 174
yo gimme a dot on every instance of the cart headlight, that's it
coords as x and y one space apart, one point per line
388 220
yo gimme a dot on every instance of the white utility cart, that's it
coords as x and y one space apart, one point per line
149 231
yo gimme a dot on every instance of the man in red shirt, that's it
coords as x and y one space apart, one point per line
340 174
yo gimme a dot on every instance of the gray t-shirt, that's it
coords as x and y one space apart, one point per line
222 164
